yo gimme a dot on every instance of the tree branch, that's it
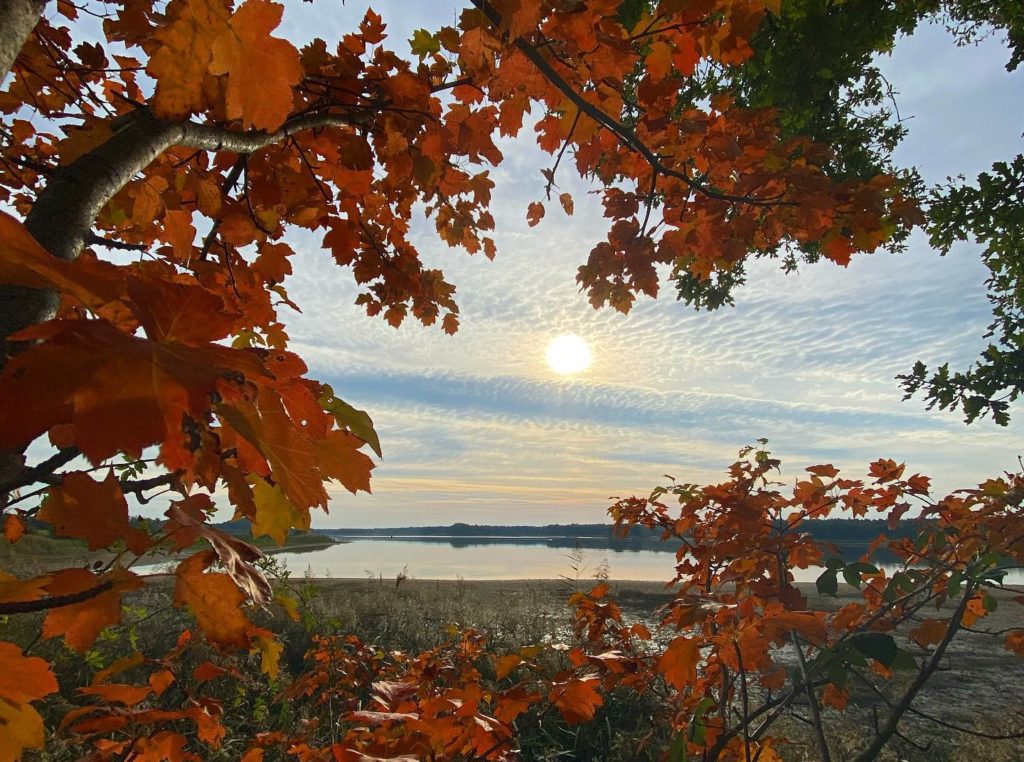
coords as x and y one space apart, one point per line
623 133
44 604
41 472
64 212
903 705
812 702
17 20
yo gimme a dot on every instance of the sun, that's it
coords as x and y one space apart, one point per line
568 354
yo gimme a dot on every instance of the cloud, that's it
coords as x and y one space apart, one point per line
476 428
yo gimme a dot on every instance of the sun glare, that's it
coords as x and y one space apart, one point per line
567 354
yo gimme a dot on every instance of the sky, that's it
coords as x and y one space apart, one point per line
477 428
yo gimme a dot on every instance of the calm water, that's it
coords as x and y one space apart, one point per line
474 558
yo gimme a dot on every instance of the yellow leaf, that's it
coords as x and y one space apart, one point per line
275 513
21 728
270 651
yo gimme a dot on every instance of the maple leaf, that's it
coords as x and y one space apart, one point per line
21 727
184 48
14 527
261 70
118 392
504 665
214 600
275 513
24 678
929 632
26 263
678 663
1015 642
340 459
423 43
535 213
565 200
92 511
129 695
577 699
187 523
269 649
81 623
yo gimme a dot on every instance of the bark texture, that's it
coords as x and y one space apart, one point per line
17 20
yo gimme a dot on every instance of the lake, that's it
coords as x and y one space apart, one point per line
476 558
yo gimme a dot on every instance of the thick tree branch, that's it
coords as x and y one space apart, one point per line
40 473
62 216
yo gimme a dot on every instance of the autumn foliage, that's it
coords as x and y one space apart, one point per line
155 158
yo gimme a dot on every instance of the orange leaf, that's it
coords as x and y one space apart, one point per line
184 47
505 664
929 632
24 262
93 511
116 693
187 524
214 600
679 662
262 70
23 678
21 728
566 201
535 213
340 459
1015 642
81 623
577 700
14 527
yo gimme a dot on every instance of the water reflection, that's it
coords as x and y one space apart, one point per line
478 558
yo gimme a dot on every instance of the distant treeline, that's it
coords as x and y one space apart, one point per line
842 532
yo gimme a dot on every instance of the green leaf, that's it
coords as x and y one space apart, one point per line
904 660
956 579
356 421
836 674
827 583
876 645
677 752
423 43
697 727
853 571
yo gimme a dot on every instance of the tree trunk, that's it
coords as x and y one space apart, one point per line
17 20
